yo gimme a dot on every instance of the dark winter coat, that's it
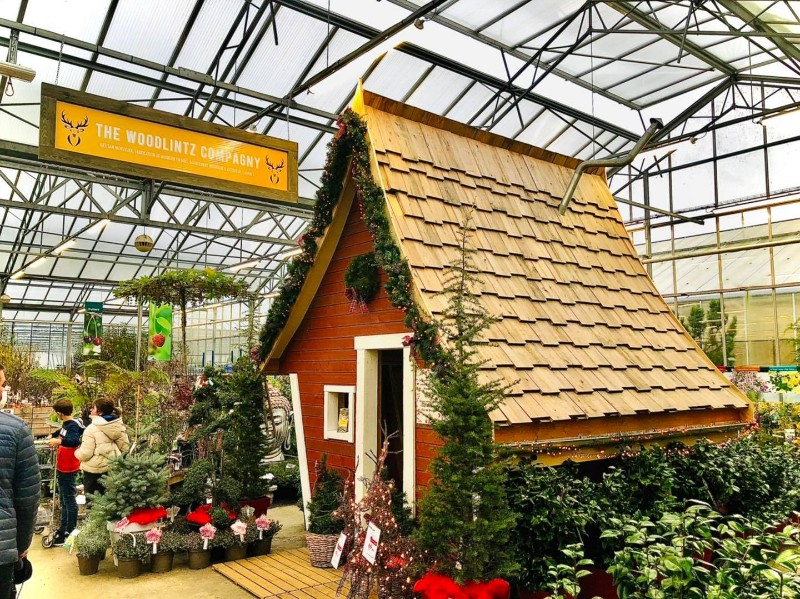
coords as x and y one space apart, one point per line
19 487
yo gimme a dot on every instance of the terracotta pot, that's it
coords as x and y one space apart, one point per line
199 559
129 568
161 562
261 547
88 565
235 552
260 504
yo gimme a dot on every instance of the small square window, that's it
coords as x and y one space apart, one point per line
339 412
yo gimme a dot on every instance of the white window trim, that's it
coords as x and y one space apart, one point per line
366 440
331 416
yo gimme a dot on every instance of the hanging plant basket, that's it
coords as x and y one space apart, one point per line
361 280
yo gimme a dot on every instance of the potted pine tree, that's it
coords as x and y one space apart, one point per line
323 526
134 483
129 552
244 443
90 546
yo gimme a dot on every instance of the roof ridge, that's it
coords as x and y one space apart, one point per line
432 119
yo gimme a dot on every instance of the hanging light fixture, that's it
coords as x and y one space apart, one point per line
144 243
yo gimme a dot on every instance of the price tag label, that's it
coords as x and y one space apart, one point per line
337 553
370 551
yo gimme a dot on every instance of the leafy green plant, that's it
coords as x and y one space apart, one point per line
665 558
563 577
173 541
220 517
752 562
286 475
224 537
324 501
244 443
555 506
131 546
93 539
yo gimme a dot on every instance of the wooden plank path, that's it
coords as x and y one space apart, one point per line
283 575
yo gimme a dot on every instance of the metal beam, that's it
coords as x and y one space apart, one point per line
27 205
374 42
180 72
490 81
781 40
675 37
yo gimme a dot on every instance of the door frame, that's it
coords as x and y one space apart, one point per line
366 416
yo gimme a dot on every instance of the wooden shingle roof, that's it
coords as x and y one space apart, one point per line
582 331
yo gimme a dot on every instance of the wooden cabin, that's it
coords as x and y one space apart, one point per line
592 352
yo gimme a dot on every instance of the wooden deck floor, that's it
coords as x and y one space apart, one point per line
284 575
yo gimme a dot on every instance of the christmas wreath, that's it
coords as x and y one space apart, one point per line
361 278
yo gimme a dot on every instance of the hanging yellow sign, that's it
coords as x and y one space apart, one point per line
148 143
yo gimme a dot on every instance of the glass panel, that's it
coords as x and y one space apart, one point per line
783 167
693 187
741 177
760 328
734 308
697 274
749 268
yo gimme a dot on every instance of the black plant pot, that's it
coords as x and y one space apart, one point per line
88 565
235 552
261 547
199 559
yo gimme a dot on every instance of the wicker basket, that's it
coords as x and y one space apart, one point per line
321 548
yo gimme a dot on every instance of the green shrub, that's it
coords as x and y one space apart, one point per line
286 475
325 498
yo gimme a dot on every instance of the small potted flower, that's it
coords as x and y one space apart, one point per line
237 549
164 546
129 552
197 543
261 532
90 546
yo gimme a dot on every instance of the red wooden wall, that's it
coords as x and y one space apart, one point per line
321 351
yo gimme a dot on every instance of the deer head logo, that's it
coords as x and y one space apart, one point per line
275 170
75 129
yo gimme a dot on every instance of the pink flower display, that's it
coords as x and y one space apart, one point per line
153 535
263 523
239 528
207 532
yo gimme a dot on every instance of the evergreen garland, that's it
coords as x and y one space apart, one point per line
351 141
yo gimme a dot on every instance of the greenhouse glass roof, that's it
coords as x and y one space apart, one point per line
579 78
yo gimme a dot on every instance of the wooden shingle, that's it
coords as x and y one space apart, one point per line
581 330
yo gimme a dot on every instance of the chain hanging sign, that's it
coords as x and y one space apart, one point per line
93 132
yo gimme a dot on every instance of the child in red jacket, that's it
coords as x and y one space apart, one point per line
66 441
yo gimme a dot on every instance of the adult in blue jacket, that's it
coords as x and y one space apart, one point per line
19 496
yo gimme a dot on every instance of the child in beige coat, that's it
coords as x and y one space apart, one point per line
103 439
